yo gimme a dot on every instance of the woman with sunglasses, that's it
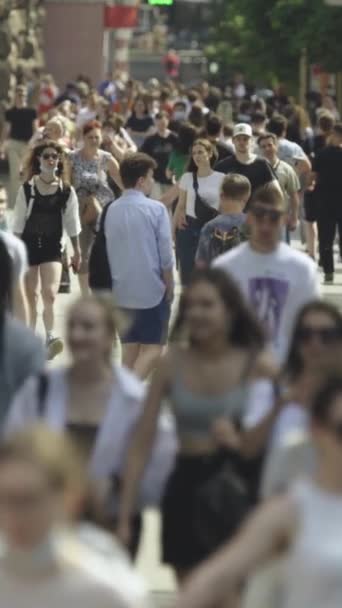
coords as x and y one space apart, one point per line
304 526
206 378
47 206
316 343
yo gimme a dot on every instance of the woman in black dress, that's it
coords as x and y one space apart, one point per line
46 207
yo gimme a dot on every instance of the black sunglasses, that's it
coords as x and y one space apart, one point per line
260 213
48 155
327 335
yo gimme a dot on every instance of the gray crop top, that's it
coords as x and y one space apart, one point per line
195 414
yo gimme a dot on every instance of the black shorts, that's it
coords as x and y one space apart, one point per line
43 251
149 325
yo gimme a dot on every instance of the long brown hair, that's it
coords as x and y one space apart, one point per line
32 166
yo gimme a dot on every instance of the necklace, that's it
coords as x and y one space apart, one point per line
45 182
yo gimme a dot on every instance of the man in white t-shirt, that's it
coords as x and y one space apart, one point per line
276 280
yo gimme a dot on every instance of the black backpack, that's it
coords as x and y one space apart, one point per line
29 194
100 278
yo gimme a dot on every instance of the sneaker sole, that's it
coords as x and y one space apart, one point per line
54 349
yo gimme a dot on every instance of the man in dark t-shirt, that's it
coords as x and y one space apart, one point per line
159 146
244 162
20 124
327 167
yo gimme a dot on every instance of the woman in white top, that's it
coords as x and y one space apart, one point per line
44 560
305 525
96 401
46 206
190 216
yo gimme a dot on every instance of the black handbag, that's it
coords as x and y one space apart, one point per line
100 278
222 504
204 212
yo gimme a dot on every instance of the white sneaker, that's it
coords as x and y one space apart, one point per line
54 347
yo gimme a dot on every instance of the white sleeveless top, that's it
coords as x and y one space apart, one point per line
314 565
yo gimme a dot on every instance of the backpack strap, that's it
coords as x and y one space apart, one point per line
42 389
195 182
103 218
29 196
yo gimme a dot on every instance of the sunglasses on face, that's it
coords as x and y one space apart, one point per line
50 155
326 335
261 213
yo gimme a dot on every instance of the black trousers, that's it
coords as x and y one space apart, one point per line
327 224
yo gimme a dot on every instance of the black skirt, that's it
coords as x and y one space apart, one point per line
203 506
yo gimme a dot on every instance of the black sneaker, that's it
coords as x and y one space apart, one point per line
329 278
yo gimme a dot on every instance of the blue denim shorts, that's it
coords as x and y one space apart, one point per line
149 325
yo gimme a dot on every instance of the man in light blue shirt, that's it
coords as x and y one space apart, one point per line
140 255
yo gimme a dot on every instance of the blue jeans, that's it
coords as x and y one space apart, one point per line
187 243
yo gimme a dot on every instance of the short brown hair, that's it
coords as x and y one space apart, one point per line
135 166
236 187
267 135
270 195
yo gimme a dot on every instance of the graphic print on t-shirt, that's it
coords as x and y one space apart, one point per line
268 298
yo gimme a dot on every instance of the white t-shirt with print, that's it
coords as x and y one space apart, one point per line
276 285
208 188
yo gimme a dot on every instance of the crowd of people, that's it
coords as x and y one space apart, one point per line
222 406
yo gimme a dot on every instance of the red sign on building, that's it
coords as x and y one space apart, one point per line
120 16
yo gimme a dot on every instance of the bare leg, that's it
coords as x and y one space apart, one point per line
149 355
83 279
50 275
31 285
130 354
310 233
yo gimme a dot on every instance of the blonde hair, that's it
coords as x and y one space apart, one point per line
51 452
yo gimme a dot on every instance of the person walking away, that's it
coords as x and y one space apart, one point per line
20 125
21 352
229 228
46 207
303 525
276 279
140 255
327 169
245 162
314 144
90 167
198 203
287 178
160 146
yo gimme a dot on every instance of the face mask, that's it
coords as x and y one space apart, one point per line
46 170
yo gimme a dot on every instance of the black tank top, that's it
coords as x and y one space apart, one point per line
45 220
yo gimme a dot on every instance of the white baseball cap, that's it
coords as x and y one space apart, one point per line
243 129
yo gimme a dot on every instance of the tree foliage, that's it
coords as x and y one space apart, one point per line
265 38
